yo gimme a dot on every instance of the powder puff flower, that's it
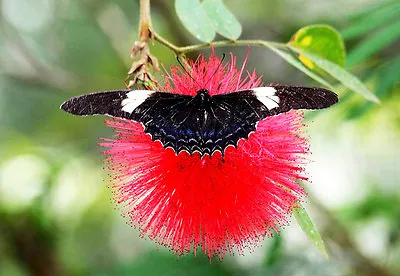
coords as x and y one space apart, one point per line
219 205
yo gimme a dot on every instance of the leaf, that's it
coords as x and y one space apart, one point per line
296 63
374 43
320 40
369 9
195 19
225 23
388 76
371 20
275 250
160 263
309 229
346 78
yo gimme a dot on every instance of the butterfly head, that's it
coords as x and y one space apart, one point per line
202 97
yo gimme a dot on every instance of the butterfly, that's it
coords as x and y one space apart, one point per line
200 123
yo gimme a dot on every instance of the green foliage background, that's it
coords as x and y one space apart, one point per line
55 214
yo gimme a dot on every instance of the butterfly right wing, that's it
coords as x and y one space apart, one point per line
169 118
105 103
126 104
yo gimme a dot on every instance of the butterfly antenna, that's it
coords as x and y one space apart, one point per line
184 69
216 70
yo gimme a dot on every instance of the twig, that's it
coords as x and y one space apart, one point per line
140 69
222 43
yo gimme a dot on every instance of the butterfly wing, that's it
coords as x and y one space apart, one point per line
297 97
105 103
126 104
273 100
170 118
236 114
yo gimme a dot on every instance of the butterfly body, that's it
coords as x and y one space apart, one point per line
201 123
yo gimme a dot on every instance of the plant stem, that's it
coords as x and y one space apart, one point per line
223 43
140 69
145 21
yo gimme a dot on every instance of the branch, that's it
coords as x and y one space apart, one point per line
140 69
145 21
222 43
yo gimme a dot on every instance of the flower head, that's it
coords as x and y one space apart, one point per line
219 205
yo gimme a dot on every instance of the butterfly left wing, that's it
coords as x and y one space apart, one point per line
236 114
273 100
298 97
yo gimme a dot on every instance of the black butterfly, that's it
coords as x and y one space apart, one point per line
201 123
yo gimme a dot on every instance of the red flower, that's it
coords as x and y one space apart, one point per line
186 202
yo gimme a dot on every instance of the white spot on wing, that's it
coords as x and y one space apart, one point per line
134 99
267 96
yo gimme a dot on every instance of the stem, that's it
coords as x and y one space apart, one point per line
145 21
223 43
140 69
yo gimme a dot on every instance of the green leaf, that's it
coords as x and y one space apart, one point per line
309 229
346 78
320 40
275 250
371 20
225 23
374 43
367 10
195 19
162 263
388 76
296 63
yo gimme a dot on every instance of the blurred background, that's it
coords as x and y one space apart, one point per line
56 216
